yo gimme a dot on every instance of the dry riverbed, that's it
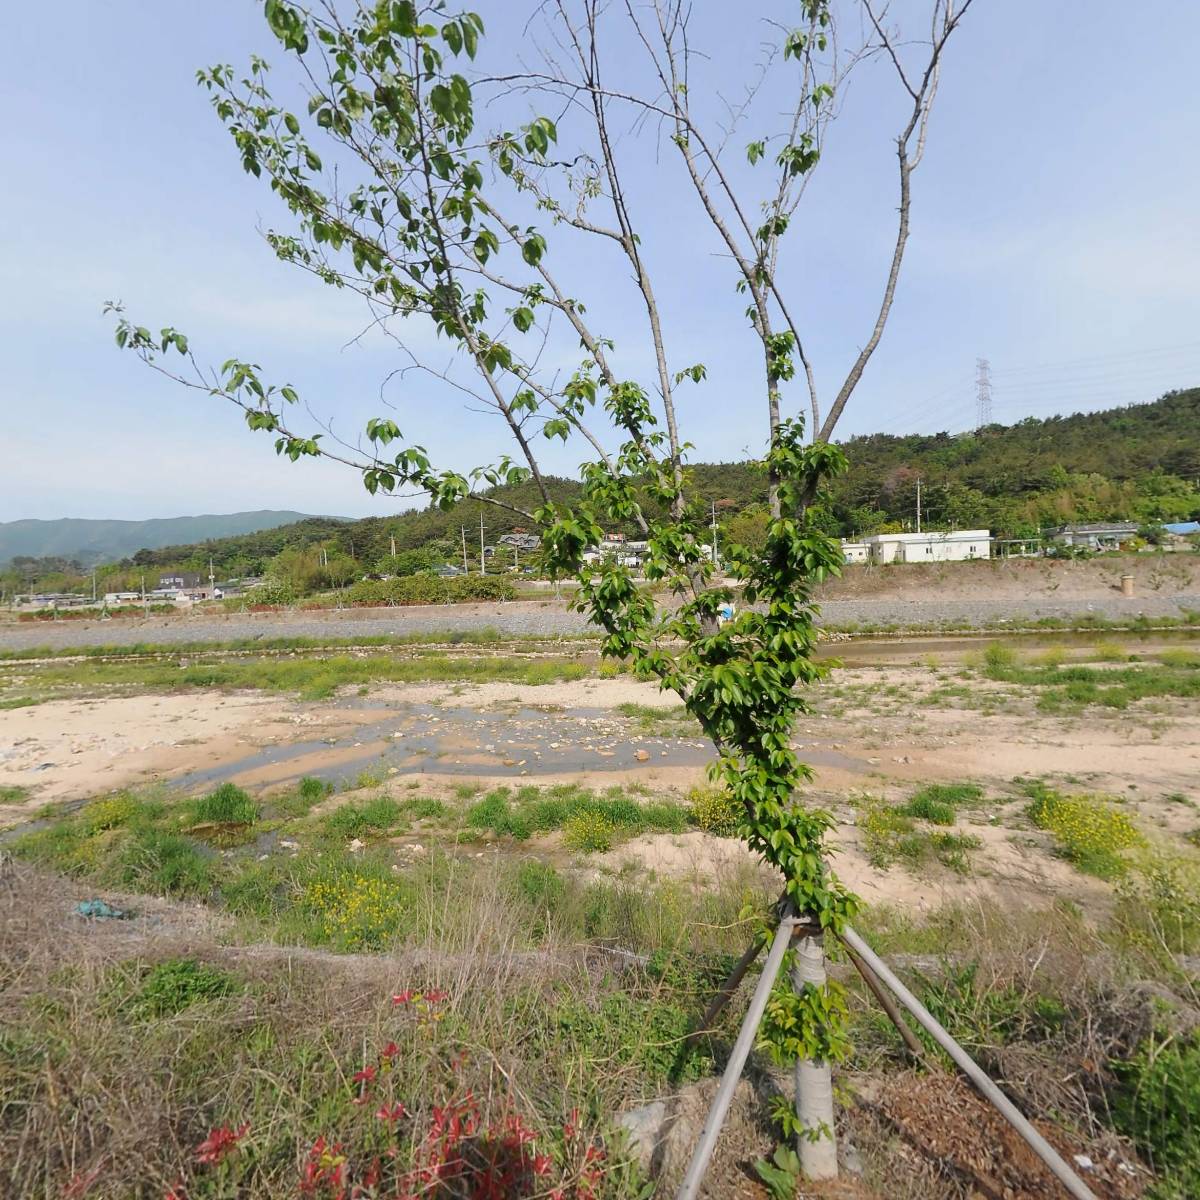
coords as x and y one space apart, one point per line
878 733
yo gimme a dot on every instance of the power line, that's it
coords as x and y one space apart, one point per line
1096 359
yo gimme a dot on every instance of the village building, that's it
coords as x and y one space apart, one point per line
955 545
1101 535
180 579
519 540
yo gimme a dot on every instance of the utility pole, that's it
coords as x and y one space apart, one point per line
918 504
983 390
212 579
464 540
482 556
393 545
93 585
714 534
516 563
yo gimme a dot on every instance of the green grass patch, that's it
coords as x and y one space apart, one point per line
675 721
228 805
13 794
890 836
316 891
298 800
532 810
958 795
368 819
1158 1106
983 1014
926 808
171 986
424 808
1180 657
166 864
997 656
1078 686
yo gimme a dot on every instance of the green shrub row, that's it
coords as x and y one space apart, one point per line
431 589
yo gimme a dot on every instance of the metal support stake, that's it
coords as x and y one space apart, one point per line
1038 1144
724 994
690 1186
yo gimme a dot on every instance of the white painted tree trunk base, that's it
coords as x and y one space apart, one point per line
816 1143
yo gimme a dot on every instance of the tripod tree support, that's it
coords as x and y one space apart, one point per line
703 1153
1038 1144
876 973
911 1041
724 994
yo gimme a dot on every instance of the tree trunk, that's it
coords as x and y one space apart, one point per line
816 1143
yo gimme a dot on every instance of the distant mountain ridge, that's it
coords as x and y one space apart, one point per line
88 541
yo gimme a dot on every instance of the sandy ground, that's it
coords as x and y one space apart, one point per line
72 749
1006 870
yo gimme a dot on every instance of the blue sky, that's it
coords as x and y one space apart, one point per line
1055 231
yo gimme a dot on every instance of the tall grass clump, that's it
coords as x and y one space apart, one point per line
998 657
228 805
367 819
890 835
166 864
1158 1107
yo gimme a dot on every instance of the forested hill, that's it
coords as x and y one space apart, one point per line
1140 463
87 541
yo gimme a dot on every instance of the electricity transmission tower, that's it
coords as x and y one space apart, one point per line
983 390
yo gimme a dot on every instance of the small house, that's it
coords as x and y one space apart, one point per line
1098 536
519 540
854 552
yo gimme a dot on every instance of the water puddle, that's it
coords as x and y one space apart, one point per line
447 740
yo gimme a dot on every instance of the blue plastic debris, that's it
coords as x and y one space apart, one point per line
100 911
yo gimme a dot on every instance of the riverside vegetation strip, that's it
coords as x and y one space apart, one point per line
310 678
315 670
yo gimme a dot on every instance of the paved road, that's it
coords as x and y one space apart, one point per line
543 618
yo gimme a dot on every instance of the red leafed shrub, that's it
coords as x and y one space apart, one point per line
447 1151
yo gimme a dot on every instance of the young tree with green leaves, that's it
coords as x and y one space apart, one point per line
396 192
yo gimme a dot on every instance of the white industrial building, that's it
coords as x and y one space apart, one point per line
854 552
956 545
